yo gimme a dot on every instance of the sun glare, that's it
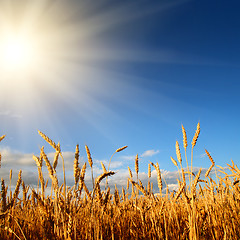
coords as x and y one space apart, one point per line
17 54
49 55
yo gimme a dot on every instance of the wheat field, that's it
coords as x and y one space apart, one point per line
205 206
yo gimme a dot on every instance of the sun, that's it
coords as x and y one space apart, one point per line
17 53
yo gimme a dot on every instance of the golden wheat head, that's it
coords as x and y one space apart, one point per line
196 135
184 137
89 156
50 142
121 149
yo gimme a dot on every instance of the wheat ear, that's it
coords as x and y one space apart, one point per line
3 196
50 170
118 150
103 175
195 182
130 173
194 140
76 166
55 160
139 187
136 166
103 167
179 158
159 177
16 192
90 161
1 138
185 144
121 149
181 189
213 163
48 140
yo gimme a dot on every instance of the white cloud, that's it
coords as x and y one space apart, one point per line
10 114
150 153
203 155
147 153
116 164
4 113
10 157
129 157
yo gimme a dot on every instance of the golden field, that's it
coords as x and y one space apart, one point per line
202 208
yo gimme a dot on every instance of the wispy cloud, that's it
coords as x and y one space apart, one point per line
202 155
8 113
4 113
128 157
149 153
113 165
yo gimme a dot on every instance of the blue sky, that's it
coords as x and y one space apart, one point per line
125 73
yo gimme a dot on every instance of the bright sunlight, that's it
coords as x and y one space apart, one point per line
17 54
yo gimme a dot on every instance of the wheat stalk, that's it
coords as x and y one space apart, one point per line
185 144
196 180
16 192
103 167
118 150
86 190
194 140
153 165
208 171
116 196
130 173
180 191
37 160
178 153
139 187
76 167
127 184
55 160
3 196
105 201
104 175
159 177
50 170
174 161
90 161
213 163
48 140
1 138
83 171
136 165
10 184
160 185
8 229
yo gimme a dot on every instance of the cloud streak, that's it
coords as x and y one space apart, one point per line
147 153
150 153
10 114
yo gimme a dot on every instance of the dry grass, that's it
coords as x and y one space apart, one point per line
199 209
